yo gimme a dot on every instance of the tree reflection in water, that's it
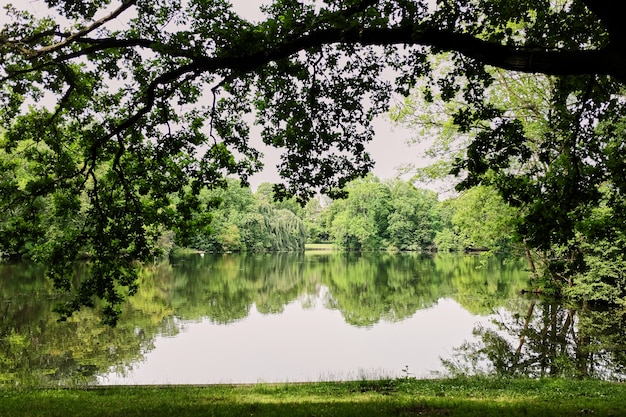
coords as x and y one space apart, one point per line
547 339
366 289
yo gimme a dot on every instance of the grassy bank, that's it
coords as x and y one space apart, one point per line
450 397
319 246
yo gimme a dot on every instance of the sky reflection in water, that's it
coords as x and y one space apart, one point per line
302 344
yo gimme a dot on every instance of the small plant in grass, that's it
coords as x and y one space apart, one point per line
406 374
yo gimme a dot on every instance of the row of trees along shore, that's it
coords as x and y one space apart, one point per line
117 114
376 215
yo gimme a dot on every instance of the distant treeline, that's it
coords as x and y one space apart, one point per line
376 215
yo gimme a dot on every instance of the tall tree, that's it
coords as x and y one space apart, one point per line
360 221
413 216
127 101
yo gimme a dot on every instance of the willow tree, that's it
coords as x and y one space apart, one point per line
112 107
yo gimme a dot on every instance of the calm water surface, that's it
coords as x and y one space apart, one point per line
306 317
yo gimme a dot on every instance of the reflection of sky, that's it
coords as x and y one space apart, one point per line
300 344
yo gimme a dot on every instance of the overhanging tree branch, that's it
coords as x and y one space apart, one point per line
608 61
84 31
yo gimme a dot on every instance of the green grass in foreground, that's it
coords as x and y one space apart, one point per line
449 397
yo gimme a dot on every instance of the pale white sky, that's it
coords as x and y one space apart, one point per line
388 149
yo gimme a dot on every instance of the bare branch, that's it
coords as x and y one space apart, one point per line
84 31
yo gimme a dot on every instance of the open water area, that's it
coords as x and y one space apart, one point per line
304 317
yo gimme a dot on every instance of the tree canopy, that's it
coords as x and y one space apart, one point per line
390 215
117 113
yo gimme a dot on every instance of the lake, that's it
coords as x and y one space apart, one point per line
313 316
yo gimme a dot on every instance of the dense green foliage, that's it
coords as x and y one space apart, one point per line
117 115
460 397
395 215
244 221
384 215
549 147
478 219
375 215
